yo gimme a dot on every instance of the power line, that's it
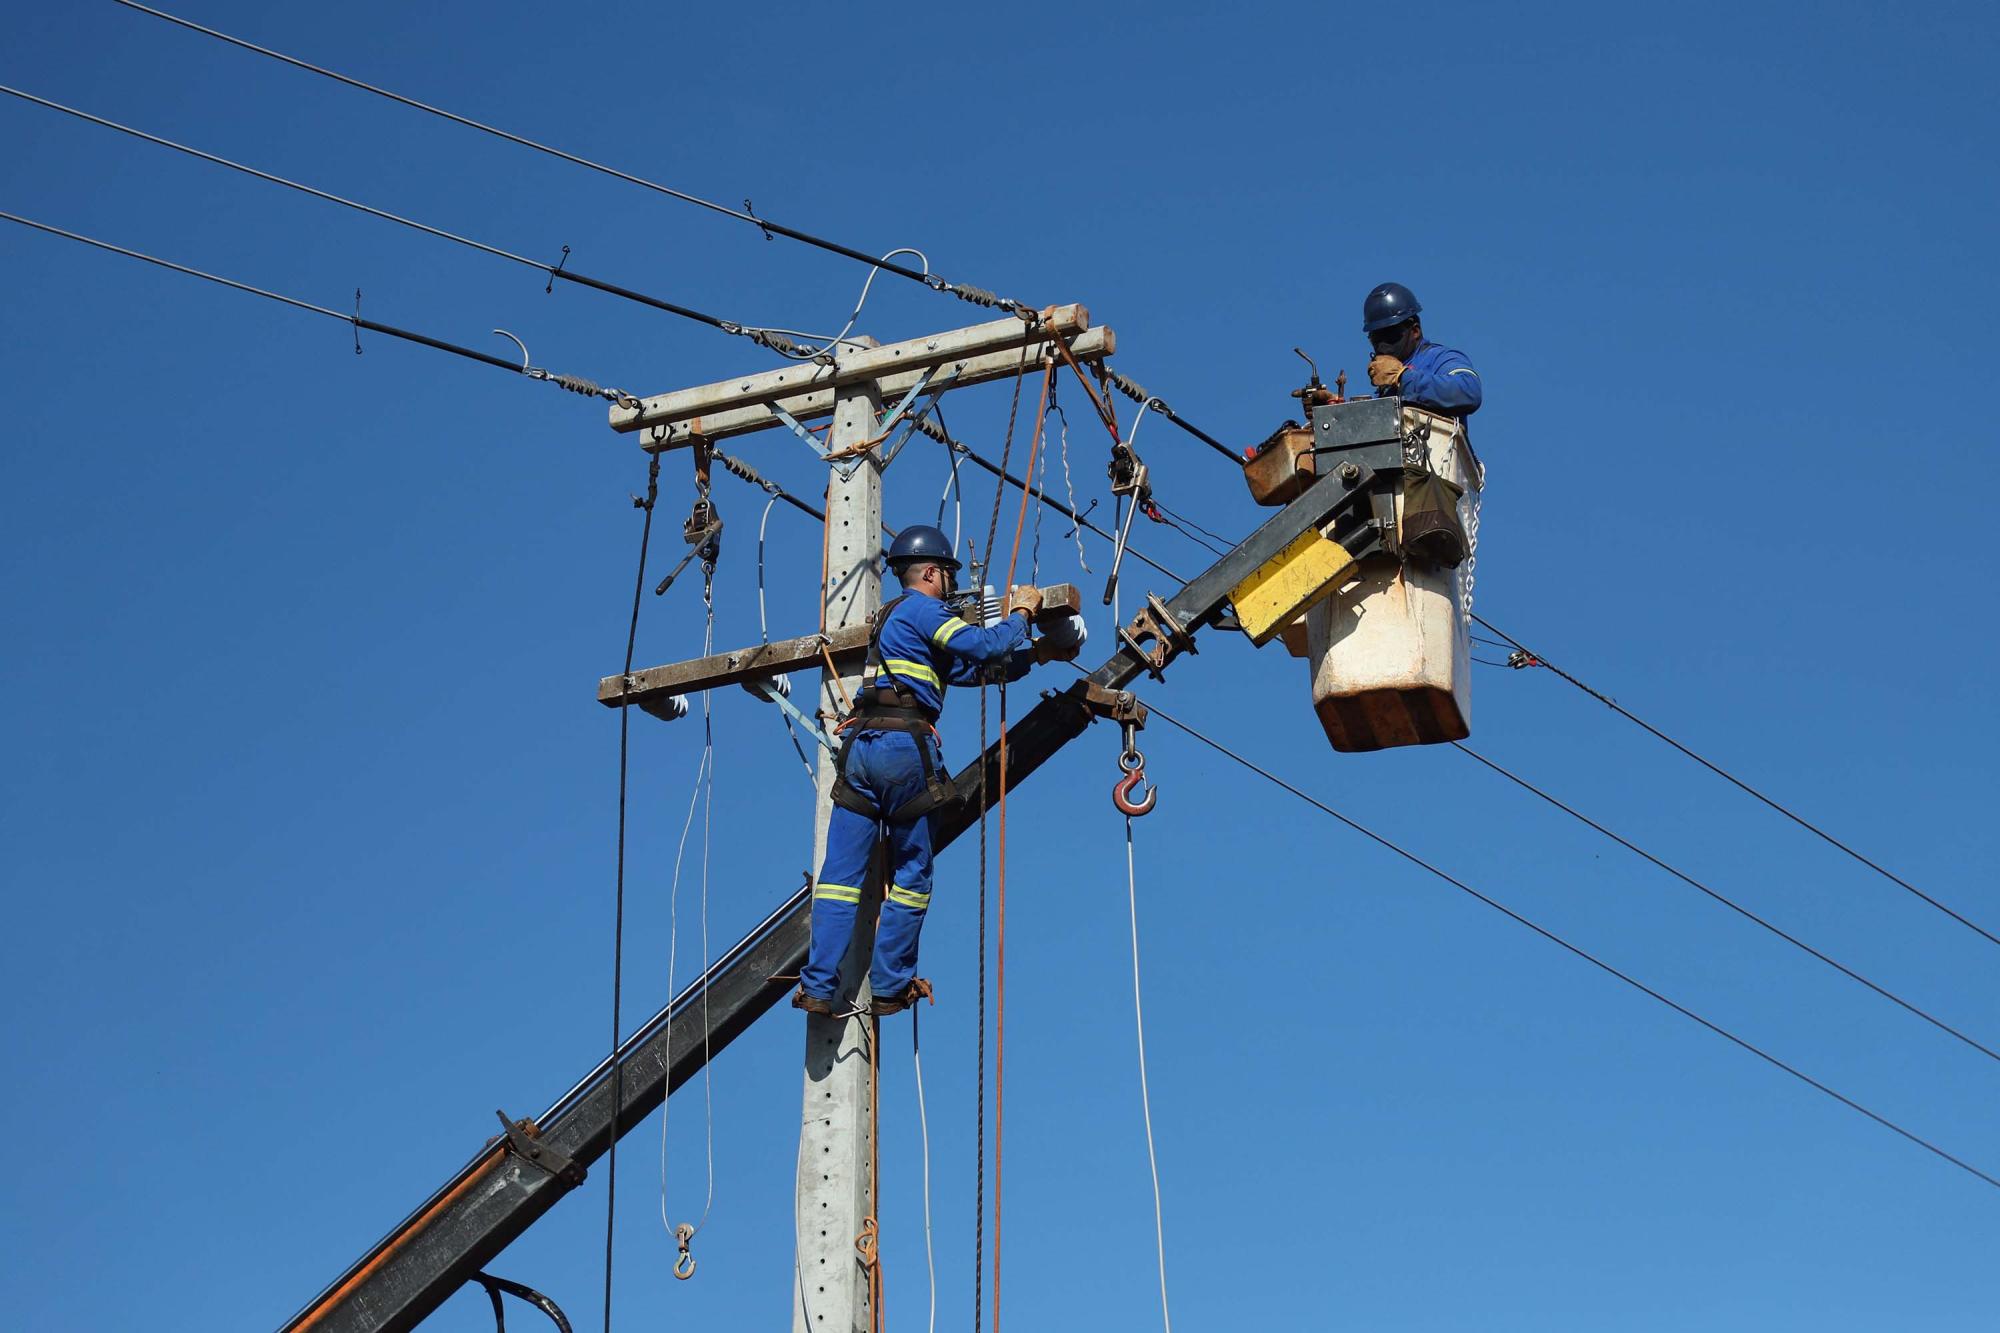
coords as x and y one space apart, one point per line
1731 904
1719 771
965 292
1577 950
1138 394
574 383
775 339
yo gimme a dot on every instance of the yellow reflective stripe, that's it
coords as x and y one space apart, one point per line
915 670
942 634
839 893
909 898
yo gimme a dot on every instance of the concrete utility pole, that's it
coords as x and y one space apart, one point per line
835 1189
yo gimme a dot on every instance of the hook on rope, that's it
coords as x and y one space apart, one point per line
684 1265
356 321
1133 765
550 290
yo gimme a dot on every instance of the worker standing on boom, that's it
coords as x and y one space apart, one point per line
1421 373
890 771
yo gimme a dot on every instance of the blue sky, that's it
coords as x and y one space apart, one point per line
308 809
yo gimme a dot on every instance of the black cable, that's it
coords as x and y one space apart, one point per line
561 273
1739 783
618 916
1578 951
1137 393
520 1291
573 383
1228 544
964 291
1732 905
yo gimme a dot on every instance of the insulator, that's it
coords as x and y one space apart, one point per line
771 684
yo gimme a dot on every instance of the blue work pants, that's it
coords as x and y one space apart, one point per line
887 768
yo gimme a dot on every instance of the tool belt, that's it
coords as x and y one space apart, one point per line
874 715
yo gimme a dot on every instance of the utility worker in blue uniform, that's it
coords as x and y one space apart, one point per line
1405 364
891 774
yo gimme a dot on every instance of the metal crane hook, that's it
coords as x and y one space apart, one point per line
1134 765
684 1265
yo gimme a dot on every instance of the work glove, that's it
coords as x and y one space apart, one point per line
1028 599
1050 650
1384 370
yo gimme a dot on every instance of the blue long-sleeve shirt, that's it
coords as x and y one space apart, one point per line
926 647
1439 378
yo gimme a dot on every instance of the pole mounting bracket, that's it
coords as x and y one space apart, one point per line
524 1140
1120 706
1156 637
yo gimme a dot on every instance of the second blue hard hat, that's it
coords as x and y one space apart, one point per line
922 542
1389 304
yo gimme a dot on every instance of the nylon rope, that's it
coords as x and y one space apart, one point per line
924 1127
618 916
703 796
1145 1091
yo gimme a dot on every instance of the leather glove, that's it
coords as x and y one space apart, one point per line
1028 599
1048 650
1384 370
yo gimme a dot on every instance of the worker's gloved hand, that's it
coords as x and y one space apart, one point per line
1027 599
1384 370
1051 650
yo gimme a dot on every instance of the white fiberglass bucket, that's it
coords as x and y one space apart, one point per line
1391 653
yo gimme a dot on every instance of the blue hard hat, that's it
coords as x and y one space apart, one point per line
1389 304
922 543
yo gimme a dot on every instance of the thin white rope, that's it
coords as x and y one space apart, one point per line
1145 1093
704 783
924 1123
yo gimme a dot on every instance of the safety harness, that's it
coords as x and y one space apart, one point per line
873 713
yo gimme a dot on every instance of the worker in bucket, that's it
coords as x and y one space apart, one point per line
890 770
1406 364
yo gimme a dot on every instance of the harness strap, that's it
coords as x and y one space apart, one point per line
938 790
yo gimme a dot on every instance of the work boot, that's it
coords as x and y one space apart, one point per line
919 989
812 1004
